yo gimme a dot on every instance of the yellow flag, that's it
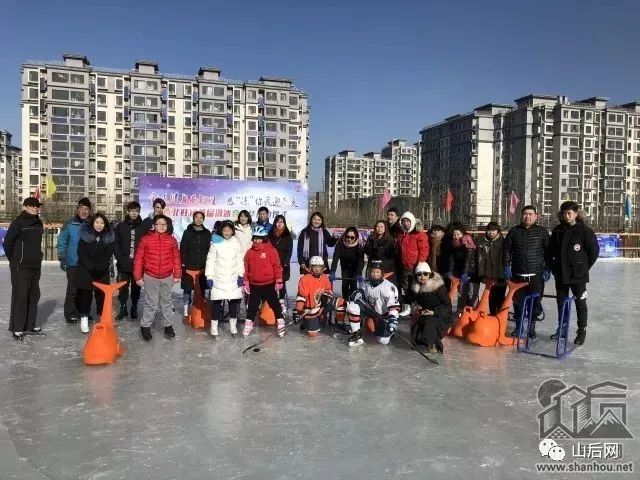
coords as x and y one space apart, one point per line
51 186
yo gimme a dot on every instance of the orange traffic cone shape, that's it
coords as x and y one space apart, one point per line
196 319
103 345
453 289
488 330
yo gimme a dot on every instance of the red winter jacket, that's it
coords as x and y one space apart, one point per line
413 245
262 265
158 256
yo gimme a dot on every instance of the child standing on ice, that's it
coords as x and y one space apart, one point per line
310 289
262 279
225 276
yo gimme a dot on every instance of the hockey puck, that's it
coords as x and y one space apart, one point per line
256 349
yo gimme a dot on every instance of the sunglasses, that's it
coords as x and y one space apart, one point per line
350 237
422 274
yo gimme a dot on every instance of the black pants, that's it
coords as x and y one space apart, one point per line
266 293
84 297
123 294
404 279
496 297
579 291
25 294
349 286
536 285
217 308
70 303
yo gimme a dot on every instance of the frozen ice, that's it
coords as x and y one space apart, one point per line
195 408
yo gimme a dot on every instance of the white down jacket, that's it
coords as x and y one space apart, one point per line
225 263
243 234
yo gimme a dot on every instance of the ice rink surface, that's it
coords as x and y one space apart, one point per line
196 408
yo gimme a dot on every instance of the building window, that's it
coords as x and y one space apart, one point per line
34 145
34 76
101 182
187 90
172 89
252 94
187 138
271 97
102 116
102 132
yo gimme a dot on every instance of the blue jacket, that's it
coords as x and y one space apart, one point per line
266 225
68 241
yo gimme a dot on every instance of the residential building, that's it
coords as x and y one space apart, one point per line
407 162
97 130
545 149
10 174
349 175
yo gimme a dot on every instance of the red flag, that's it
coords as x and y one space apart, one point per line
448 201
385 198
513 202
36 193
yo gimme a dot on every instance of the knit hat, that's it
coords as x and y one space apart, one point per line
84 202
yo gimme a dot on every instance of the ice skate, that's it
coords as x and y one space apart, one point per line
233 322
36 331
84 324
214 328
356 339
19 336
281 328
248 328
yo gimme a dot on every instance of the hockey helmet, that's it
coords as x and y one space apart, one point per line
259 231
316 261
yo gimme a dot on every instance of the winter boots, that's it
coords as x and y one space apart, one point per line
122 314
248 328
168 332
581 336
233 322
146 333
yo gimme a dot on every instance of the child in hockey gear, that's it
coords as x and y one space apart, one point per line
194 247
310 289
381 296
225 276
262 279
432 314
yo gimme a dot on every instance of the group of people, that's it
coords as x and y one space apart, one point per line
241 265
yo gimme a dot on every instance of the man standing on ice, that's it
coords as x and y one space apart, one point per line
525 257
573 250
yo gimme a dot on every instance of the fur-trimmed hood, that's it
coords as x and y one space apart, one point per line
416 225
432 285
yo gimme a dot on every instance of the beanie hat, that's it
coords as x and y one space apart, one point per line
84 202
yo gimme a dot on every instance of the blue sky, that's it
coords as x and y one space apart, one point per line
374 70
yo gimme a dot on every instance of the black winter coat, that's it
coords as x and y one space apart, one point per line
573 251
489 258
458 260
94 257
430 329
395 229
382 249
351 259
307 234
194 247
526 250
127 237
284 245
23 241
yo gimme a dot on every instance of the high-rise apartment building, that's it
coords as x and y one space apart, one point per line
10 173
349 175
97 130
544 148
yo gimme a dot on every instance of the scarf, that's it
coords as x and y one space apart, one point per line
278 231
307 236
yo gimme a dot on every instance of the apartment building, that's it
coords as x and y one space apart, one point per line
97 130
544 148
407 161
10 173
349 175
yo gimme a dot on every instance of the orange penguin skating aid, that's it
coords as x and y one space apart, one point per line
103 346
199 309
489 330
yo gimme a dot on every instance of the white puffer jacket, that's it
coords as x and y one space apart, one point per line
243 234
225 263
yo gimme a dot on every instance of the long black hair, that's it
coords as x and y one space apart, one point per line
316 214
353 230
247 214
272 232
107 224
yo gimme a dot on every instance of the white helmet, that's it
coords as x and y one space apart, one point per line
423 267
316 261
